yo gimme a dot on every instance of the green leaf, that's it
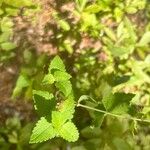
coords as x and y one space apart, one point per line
24 133
5 36
68 104
22 82
131 10
121 144
58 119
81 4
118 14
1 11
120 30
90 133
69 132
89 20
137 69
119 51
19 3
68 47
44 103
12 11
131 30
48 79
133 81
45 94
6 24
94 8
65 87
27 56
145 39
65 112
43 131
61 76
117 103
12 138
57 64
109 32
67 107
64 25
8 46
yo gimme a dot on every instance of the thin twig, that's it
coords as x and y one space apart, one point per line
114 115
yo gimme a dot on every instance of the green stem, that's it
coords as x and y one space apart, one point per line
111 114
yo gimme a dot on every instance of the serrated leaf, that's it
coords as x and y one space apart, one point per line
58 119
61 76
68 104
57 64
117 103
65 87
45 94
44 103
65 113
43 131
69 132
67 107
48 79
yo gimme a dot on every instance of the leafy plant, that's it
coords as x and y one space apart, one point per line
55 108
105 45
9 9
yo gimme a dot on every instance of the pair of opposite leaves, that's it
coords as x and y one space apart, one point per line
60 124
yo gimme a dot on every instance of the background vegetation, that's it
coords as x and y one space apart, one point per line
104 45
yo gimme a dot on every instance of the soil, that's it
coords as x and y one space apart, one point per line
8 107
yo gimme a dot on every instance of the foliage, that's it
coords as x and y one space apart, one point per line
56 119
9 9
104 45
